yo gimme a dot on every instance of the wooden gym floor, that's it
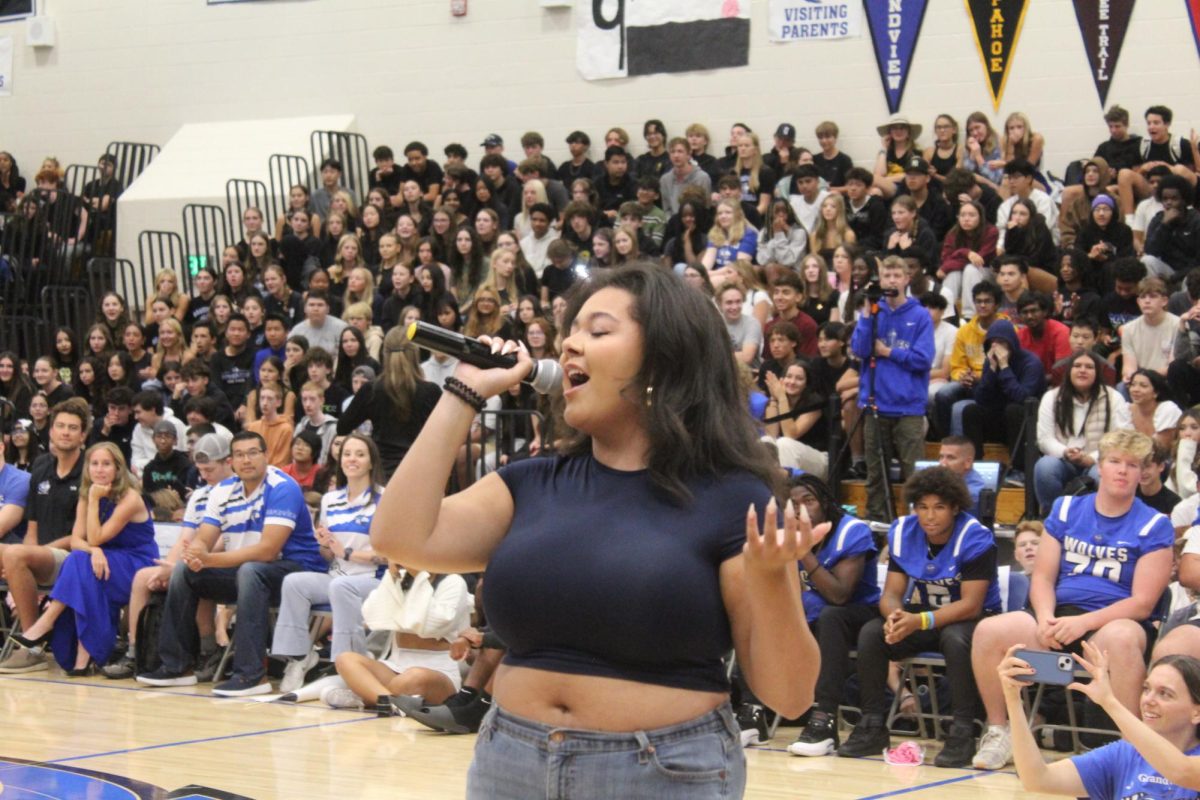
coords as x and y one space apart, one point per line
100 740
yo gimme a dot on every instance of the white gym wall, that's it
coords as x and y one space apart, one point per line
137 70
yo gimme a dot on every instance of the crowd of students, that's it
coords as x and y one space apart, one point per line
928 297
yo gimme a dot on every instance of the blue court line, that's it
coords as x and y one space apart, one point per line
204 741
923 786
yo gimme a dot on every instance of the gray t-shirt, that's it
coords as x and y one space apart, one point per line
743 332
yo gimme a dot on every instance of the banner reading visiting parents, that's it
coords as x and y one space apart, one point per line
894 26
806 20
1103 24
997 24
620 38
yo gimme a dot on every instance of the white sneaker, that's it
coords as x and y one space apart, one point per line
338 697
995 749
296 669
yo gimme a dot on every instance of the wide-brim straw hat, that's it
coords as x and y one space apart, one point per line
914 128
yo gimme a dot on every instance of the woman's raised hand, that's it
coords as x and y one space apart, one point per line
491 382
778 548
1095 661
1011 668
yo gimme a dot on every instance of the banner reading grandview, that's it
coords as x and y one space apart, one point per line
808 20
620 38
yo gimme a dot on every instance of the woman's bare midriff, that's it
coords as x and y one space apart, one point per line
586 702
410 641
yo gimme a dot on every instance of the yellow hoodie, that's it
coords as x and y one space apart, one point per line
968 349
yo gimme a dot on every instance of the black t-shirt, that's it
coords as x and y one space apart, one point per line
558 281
613 195
568 172
766 184
1164 502
61 392
1121 155
1115 310
233 375
390 183
431 175
167 473
393 435
656 165
833 170
1162 152
52 499
825 376
120 435
335 395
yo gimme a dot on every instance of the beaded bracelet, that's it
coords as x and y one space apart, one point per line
465 393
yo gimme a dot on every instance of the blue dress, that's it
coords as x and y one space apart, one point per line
93 606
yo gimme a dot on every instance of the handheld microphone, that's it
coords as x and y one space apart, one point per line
545 377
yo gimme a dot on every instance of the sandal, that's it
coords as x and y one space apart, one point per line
908 705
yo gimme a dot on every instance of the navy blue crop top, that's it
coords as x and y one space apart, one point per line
601 575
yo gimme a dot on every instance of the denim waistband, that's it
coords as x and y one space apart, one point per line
549 738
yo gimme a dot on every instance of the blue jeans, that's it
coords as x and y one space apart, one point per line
1051 474
518 759
943 404
254 586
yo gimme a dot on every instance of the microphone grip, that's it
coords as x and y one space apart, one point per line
464 348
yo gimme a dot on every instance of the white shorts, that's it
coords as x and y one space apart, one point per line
400 660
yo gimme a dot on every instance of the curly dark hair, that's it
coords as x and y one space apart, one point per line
940 481
698 424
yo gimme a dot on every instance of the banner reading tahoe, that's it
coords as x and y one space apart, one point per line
807 20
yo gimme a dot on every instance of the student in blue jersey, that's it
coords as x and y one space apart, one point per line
1102 565
950 559
267 534
343 533
112 539
1159 758
841 595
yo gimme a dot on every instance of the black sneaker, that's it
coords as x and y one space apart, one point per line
870 737
857 471
755 722
462 718
959 749
820 736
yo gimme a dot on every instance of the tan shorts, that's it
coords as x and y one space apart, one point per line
59 557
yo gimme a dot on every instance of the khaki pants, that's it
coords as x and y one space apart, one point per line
903 438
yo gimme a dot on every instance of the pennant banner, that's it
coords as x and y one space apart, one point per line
620 38
800 20
894 27
997 24
1103 25
1193 9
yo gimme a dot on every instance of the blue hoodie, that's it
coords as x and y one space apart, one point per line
1023 377
901 379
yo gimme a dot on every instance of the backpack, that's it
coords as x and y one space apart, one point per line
145 653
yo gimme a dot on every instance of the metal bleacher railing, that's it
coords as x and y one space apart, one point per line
348 148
